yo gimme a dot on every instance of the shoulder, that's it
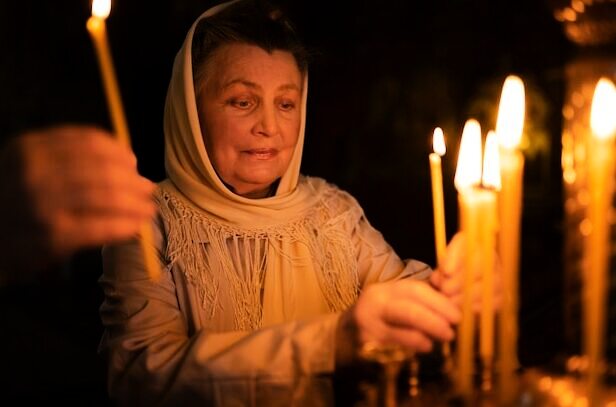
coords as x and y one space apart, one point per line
173 204
330 194
173 208
166 192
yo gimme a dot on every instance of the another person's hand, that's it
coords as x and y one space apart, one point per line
448 279
66 188
408 313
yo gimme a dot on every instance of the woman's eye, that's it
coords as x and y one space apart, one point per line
287 105
241 103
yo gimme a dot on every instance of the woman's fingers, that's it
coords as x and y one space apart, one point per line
407 312
477 296
415 315
91 230
454 257
411 339
422 294
451 278
124 198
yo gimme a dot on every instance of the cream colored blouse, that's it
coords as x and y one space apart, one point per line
169 343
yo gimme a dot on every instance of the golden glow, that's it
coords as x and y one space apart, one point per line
583 402
491 163
438 142
603 111
101 8
567 398
568 112
585 227
468 171
578 5
573 364
545 384
569 14
559 388
510 121
577 99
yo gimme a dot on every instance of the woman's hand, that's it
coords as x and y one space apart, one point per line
66 188
408 313
449 277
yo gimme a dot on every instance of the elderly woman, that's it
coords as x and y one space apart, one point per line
269 277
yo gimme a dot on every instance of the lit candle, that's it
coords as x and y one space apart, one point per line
96 28
440 239
438 209
470 198
601 174
509 127
490 180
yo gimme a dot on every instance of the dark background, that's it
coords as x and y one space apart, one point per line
383 75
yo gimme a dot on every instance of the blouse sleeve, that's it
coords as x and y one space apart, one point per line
153 359
377 260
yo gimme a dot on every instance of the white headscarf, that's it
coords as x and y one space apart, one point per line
190 169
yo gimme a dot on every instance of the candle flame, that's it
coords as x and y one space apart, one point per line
491 163
603 111
510 121
438 142
468 171
101 8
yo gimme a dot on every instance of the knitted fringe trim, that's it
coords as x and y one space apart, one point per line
212 253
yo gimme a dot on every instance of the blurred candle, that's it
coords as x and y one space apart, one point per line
491 177
491 181
470 200
601 174
97 29
509 127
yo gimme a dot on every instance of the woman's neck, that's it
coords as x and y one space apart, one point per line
263 193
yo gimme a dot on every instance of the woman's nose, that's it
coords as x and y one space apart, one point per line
268 122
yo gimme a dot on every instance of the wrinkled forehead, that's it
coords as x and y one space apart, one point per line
248 64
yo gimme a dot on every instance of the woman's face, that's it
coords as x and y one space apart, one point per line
249 109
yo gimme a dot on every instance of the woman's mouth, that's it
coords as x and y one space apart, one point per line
261 153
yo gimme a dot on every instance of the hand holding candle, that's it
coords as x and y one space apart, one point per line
96 28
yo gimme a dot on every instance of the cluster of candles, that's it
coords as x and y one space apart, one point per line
490 205
487 194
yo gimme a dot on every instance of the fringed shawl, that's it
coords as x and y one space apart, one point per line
282 272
